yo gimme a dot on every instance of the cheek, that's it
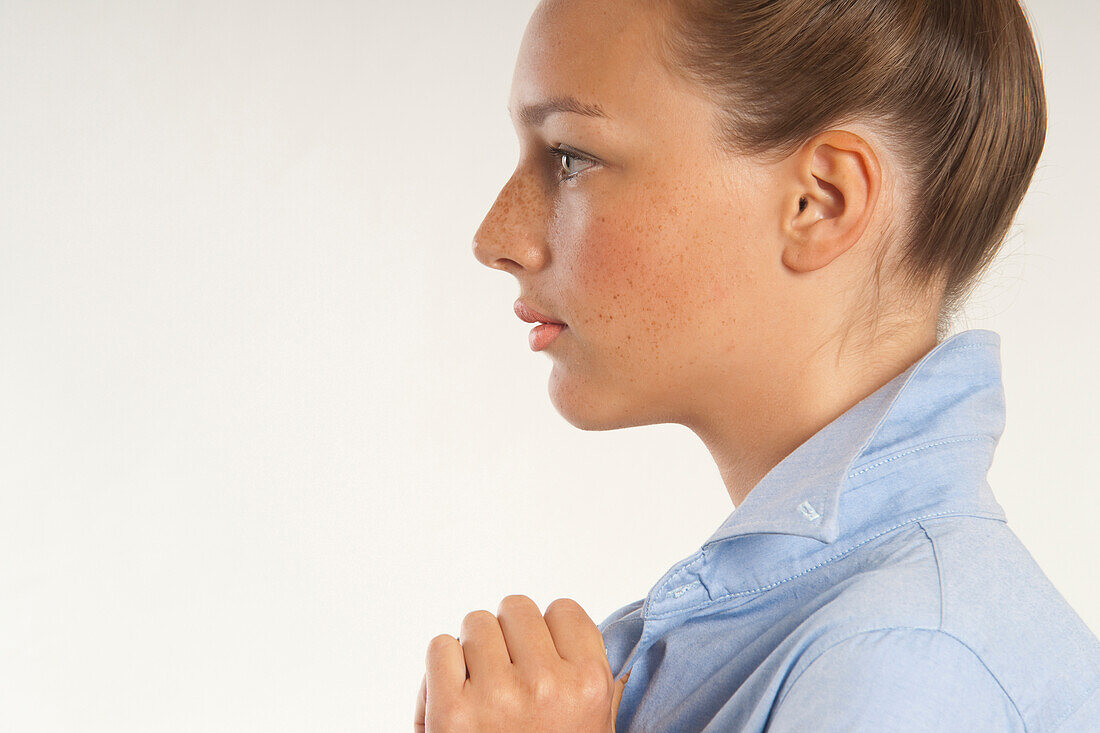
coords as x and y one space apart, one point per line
624 265
651 272
677 257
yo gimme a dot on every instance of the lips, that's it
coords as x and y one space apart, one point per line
530 315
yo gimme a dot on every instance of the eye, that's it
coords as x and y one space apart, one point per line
564 157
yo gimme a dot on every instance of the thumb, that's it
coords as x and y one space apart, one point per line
616 696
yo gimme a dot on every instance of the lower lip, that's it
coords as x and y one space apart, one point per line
542 334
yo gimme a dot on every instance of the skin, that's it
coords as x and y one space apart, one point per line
696 289
519 670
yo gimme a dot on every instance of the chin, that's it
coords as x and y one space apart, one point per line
585 406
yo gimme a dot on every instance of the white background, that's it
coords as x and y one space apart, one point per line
266 426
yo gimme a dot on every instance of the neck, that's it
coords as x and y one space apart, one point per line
753 425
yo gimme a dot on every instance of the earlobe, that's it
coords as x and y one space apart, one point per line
837 177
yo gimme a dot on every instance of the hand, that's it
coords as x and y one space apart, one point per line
520 671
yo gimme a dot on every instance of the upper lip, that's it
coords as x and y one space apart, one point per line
530 315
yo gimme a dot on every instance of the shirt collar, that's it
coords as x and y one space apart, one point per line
952 395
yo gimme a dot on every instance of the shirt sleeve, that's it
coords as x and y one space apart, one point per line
894 680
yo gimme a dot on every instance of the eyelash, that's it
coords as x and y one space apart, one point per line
556 153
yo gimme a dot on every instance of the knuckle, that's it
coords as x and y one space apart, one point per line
542 686
594 684
454 719
505 698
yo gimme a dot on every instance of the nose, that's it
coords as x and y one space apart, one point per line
509 236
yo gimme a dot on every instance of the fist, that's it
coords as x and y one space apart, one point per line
517 671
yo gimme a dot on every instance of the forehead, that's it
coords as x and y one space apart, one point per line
601 53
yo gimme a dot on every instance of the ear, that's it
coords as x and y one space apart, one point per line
834 185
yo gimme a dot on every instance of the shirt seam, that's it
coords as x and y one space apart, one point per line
909 628
1058 723
939 628
838 556
939 571
965 438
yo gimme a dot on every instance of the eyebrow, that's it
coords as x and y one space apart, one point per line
533 115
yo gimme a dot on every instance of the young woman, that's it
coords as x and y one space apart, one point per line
757 219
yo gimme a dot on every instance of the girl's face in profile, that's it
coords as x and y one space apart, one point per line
659 252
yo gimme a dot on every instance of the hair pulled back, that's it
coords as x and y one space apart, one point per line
954 86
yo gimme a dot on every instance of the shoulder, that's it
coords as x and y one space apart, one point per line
995 596
894 679
965 592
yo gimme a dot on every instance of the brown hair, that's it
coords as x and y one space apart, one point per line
955 86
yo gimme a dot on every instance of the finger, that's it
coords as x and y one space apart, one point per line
525 631
575 636
446 673
421 705
486 654
617 696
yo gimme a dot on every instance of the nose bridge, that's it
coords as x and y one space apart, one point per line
506 230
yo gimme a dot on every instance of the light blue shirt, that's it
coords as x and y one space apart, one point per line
869 582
